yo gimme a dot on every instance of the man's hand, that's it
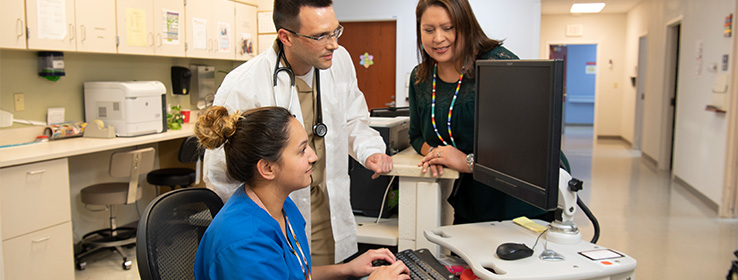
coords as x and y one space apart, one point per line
379 163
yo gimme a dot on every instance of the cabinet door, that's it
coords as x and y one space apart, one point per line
199 28
223 17
245 31
34 196
12 24
135 30
95 26
43 254
169 26
51 25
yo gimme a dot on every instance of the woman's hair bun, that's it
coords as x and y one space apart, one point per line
215 126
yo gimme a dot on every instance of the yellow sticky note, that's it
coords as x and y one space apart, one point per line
528 224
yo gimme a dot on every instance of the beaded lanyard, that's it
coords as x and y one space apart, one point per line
308 275
450 108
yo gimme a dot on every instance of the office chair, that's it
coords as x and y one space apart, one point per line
122 164
170 230
189 152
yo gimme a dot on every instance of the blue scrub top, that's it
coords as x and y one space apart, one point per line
245 242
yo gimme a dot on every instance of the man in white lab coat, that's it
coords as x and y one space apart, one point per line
325 91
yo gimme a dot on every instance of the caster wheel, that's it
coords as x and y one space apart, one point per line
80 265
127 264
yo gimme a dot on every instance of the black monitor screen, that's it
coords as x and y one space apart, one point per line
517 135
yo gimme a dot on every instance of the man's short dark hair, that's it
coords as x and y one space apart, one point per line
285 14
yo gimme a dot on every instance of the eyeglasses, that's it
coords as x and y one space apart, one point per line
323 39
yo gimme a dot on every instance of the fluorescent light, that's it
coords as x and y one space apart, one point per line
581 8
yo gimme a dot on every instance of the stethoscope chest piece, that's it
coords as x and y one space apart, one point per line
320 129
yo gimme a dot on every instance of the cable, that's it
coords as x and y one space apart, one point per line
381 207
539 237
592 218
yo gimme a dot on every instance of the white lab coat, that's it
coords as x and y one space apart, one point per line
345 113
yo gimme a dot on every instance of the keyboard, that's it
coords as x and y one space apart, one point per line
423 265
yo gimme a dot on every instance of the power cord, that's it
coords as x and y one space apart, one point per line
386 190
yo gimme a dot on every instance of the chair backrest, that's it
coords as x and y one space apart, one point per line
190 151
131 164
170 230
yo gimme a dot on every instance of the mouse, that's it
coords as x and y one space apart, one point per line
513 251
380 262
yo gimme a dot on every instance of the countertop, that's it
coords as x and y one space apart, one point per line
17 155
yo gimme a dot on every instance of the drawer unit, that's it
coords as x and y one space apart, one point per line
43 254
34 196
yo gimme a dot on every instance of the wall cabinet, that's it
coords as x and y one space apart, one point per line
211 29
36 221
95 26
12 24
51 25
150 27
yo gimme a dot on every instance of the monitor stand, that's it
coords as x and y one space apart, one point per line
559 254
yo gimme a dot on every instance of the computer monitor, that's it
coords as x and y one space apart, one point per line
517 128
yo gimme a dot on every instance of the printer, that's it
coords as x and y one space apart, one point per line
133 108
367 194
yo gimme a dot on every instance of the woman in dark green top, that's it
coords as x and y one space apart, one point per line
449 41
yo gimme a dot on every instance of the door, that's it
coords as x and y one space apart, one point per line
50 25
579 82
95 26
12 24
372 46
169 26
135 26
640 93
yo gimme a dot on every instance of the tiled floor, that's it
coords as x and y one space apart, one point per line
640 210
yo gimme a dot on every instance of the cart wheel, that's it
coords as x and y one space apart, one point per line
80 265
127 264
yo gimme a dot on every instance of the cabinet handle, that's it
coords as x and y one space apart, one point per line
41 239
84 32
19 27
36 172
151 36
71 32
158 39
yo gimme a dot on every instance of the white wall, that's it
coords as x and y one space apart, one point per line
700 135
608 32
517 22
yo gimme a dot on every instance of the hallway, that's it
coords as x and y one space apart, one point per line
642 213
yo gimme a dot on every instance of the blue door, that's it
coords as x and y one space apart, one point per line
581 68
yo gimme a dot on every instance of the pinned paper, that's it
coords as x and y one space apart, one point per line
171 27
136 27
199 33
224 39
52 19
366 60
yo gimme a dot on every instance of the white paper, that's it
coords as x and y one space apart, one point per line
266 41
170 27
224 41
52 19
55 115
199 33
265 22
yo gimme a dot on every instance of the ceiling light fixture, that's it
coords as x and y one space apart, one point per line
582 8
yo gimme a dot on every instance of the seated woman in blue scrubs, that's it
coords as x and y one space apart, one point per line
259 233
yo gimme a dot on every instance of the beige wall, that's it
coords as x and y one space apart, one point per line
19 74
608 32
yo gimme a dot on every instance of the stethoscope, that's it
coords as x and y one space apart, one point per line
319 129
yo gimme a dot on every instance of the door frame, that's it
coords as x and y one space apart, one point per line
597 76
670 88
640 91
729 206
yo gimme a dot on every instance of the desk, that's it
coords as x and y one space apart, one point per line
477 244
422 205
35 208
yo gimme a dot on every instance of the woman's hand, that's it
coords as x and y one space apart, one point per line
441 156
397 270
362 265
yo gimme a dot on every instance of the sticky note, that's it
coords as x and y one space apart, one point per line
528 224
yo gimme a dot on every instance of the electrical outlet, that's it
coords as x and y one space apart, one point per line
20 102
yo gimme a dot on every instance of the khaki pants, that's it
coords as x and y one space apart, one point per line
322 249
